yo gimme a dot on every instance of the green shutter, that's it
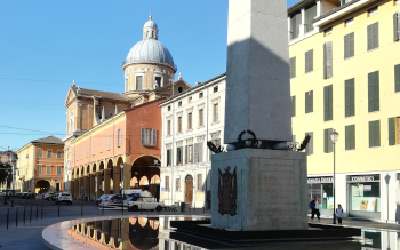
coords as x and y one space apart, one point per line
352 104
329 59
347 141
349 98
309 147
310 60
324 61
346 46
376 91
292 65
397 78
330 143
325 103
378 133
310 101
353 137
351 44
326 140
371 95
370 37
392 139
306 62
331 102
306 104
346 99
376 35
371 133
395 27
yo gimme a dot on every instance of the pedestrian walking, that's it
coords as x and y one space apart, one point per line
314 205
339 214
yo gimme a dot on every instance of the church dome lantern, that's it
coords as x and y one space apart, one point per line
150 50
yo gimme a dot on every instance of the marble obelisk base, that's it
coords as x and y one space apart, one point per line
254 189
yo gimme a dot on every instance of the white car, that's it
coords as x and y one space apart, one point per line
47 196
148 203
64 197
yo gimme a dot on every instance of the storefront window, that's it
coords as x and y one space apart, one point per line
322 187
365 198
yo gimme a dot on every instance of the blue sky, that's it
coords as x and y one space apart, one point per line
46 44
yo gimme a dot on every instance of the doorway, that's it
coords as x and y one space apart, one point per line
189 190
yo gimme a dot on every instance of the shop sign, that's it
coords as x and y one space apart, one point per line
363 178
322 179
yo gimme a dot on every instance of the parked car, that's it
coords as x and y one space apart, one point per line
104 197
136 203
48 196
64 197
116 199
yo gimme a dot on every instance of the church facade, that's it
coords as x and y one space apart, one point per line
101 127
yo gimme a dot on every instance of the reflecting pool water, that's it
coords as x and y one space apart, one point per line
155 233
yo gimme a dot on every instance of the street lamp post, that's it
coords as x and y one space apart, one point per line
334 138
121 182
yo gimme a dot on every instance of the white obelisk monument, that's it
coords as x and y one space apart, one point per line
258 189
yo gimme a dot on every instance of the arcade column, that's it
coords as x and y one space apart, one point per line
92 189
107 181
99 187
116 179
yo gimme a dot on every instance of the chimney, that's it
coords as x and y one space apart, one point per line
198 83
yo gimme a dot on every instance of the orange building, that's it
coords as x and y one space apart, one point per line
40 166
128 142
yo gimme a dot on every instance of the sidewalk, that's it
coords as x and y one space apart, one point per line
361 224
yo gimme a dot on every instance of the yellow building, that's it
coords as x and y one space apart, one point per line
40 166
345 76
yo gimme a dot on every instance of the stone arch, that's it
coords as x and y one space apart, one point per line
87 170
43 186
188 189
94 168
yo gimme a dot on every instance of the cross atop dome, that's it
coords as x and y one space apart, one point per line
150 29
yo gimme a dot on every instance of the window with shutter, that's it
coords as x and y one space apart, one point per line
349 137
48 171
154 142
309 61
309 148
324 61
179 156
199 182
328 103
374 134
293 105
349 97
309 102
109 142
349 45
167 182
40 153
196 153
189 120
59 154
59 170
310 13
392 140
292 67
397 78
373 91
169 127
39 169
201 152
396 35
168 157
373 36
200 118
329 59
328 144
139 82
179 124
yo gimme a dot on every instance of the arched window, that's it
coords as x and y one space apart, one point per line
180 89
152 34
147 34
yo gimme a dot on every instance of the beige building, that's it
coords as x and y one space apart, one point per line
40 166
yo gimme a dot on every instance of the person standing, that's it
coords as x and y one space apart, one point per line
339 214
314 205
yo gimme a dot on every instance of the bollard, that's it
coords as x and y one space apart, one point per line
8 212
30 219
81 210
24 215
41 214
16 219
37 213
58 210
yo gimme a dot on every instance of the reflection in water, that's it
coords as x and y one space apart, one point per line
142 233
